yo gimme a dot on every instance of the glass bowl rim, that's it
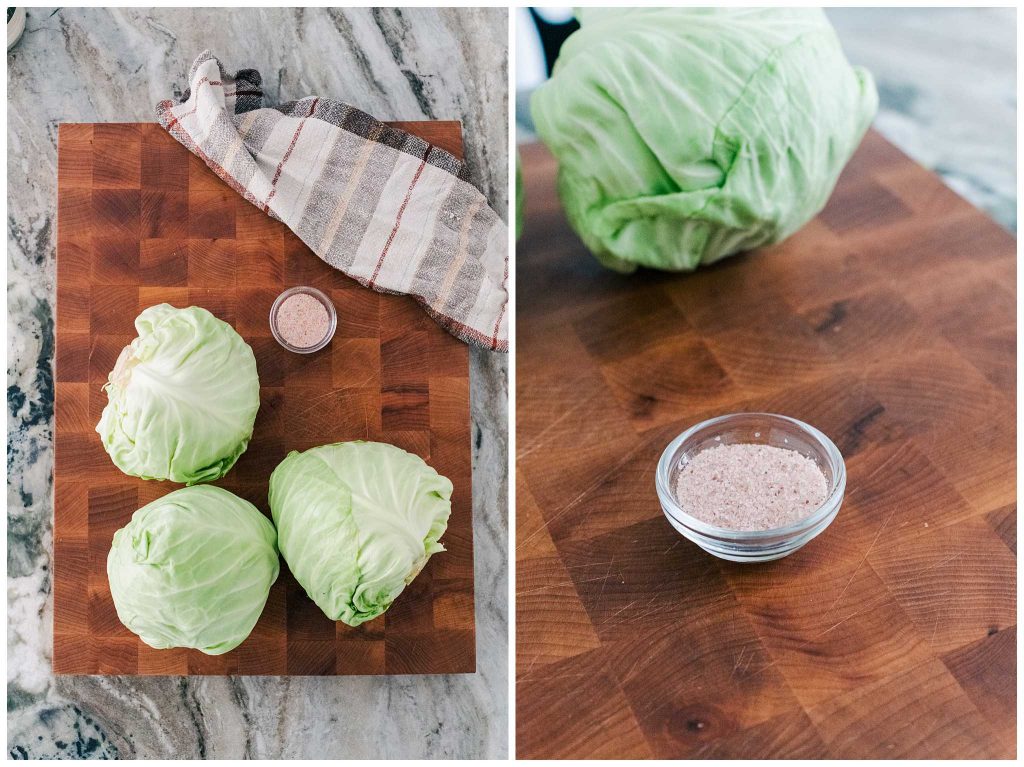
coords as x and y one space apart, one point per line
827 507
319 295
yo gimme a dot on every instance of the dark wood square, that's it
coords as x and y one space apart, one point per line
211 214
986 671
116 213
164 214
152 224
588 716
115 261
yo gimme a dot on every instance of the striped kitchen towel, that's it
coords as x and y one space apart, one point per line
385 207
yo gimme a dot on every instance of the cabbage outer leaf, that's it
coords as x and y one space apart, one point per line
182 398
193 569
356 522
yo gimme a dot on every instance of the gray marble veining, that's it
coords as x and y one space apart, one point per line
79 65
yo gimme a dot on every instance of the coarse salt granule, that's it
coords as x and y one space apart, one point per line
750 487
302 320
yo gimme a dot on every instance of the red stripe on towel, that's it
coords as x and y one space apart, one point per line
280 165
398 217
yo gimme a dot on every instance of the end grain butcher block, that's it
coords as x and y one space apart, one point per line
142 221
888 322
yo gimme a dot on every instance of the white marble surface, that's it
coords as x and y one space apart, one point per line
947 93
114 65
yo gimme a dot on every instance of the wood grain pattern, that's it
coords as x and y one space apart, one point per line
888 322
142 221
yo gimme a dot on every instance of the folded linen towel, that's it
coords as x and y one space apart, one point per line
385 207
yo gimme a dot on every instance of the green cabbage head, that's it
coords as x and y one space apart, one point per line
684 135
193 569
356 522
182 397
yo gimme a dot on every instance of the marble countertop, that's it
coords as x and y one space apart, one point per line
79 65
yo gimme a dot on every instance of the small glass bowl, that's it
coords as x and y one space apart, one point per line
760 429
332 319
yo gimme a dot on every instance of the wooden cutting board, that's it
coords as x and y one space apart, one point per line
888 322
142 221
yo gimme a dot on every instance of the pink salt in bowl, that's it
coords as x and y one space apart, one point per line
303 320
778 431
